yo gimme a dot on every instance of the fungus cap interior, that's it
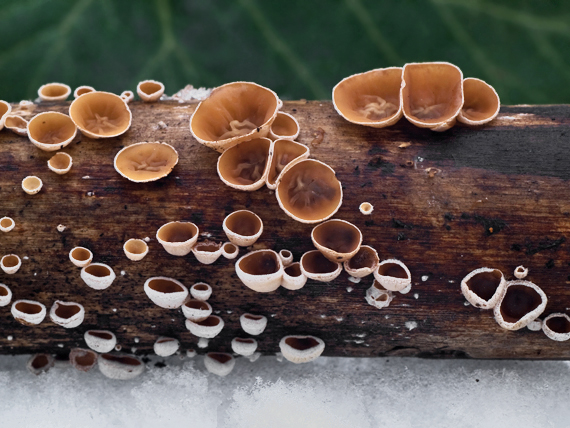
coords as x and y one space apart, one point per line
100 334
230 248
211 321
220 357
366 257
392 269
15 122
164 285
54 90
310 191
98 270
28 308
293 270
136 246
121 359
83 357
301 343
253 317
481 101
284 125
366 207
84 90
101 113
240 340
51 128
81 254
177 231
284 152
263 262
485 284
66 310
60 160
244 223
10 261
4 108
201 287
197 304
315 262
6 222
245 163
40 361
3 290
518 301
337 235
32 183
146 161
150 87
558 324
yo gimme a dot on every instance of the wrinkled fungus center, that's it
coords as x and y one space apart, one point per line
32 183
146 161
519 300
244 223
51 128
261 263
136 246
28 308
392 269
177 232
375 107
245 163
338 236
364 258
81 254
101 335
10 261
6 222
100 113
165 286
98 271
558 324
293 270
485 284
220 357
301 343
60 161
315 262
66 311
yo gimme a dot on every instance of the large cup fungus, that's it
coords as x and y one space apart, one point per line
135 249
80 256
338 240
146 161
260 270
10 263
32 184
60 163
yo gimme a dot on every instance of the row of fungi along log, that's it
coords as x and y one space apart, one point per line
444 204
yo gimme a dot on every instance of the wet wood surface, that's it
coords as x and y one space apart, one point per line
448 203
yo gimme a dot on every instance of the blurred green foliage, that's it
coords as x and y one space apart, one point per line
299 48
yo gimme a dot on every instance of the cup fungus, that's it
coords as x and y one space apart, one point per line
483 287
366 208
32 184
219 363
521 303
244 347
285 127
521 272
82 359
207 328
286 153
60 163
243 227
316 266
16 124
50 131
196 310
135 249
371 98
100 340
5 110
100 114
286 257
98 276
481 104
393 275
230 251
165 292
5 295
253 324
82 90
432 94
40 363
293 277
127 96
166 346
309 191
54 92
146 161
7 224
178 237
150 91
301 349
234 112
121 367
10 263
207 252
363 263
245 166
67 314
338 240
260 270
201 291
80 256
28 312
378 296
557 327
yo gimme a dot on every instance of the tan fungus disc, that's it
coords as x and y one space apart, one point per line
54 92
393 275
5 295
316 266
16 124
284 127
378 296
146 161
286 153
100 340
364 262
243 228
260 270
230 250
338 240
245 166
286 257
150 91
135 249
32 184
201 291
60 163
207 328
98 276
166 346
51 131
178 237
80 256
196 310
482 103
5 110
82 90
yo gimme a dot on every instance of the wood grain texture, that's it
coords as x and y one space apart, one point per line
500 199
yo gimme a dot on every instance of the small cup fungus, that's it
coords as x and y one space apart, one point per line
286 257
127 96
366 208
178 237
378 296
234 112
165 292
121 367
364 262
219 363
206 329
10 263
284 127
309 191
293 277
32 184
83 359
16 124
100 340
338 240
244 347
483 287
230 250
135 249
150 91
98 276
286 153
5 110
260 270
82 90
166 346
371 98
521 272
481 104
54 92
245 166
5 295
207 252
557 327
100 114
60 163
40 363
146 161
28 312
301 349
80 256
67 314
243 227
201 291
196 310
432 94
521 303
393 275
7 224
51 131
253 324
316 266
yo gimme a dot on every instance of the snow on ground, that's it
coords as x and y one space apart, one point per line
330 392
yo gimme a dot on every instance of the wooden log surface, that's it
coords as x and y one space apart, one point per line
500 198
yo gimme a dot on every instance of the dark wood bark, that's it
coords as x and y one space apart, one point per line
500 198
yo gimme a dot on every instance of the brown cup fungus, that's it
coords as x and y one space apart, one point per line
51 131
82 90
234 112
230 251
293 277
54 92
5 295
378 296
100 340
316 266
432 94
10 263
338 240
165 292
309 192
166 346
245 166
60 163
481 103
67 314
243 227
393 275
40 363
178 237
286 257
196 310
5 110
146 161
135 249
80 256
7 224
32 184
260 270
557 327
201 291
253 324
16 124
98 276
219 363
245 347
301 349
207 252
121 367
286 153
28 312
520 304
83 359
483 287
366 208
284 127
100 115
127 96
371 98
150 91
363 263
207 328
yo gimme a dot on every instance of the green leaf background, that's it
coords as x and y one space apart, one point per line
299 48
